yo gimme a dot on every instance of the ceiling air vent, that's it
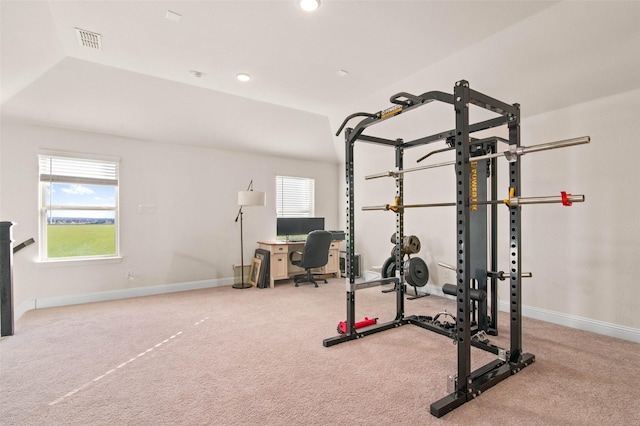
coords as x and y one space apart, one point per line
89 39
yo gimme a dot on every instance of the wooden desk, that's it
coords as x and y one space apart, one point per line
282 269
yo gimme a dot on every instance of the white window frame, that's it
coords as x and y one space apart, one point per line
100 170
295 196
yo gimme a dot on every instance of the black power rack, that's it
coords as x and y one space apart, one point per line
476 206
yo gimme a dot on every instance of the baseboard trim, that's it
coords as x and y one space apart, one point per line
580 323
103 296
23 307
567 320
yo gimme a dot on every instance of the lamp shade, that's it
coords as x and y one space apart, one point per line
252 198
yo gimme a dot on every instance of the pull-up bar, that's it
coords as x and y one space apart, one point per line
403 102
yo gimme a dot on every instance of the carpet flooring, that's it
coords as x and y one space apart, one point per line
224 356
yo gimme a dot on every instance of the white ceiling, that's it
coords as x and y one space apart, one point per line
548 54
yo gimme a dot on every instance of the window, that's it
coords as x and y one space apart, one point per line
78 207
295 197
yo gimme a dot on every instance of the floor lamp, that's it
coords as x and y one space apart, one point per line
247 198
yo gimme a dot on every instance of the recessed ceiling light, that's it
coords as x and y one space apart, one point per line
197 74
309 5
243 76
172 16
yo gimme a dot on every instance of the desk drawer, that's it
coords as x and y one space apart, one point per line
279 249
279 265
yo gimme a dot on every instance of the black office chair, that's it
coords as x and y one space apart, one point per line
314 255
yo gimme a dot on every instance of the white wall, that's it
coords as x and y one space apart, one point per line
192 235
584 258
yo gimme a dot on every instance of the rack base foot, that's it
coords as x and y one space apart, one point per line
482 382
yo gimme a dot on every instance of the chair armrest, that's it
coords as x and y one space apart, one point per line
293 253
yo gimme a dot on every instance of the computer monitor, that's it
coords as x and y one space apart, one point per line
298 227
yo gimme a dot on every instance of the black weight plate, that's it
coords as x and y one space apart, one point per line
389 268
416 272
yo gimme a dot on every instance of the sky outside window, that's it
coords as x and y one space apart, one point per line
80 195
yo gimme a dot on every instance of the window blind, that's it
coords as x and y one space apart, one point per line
75 170
295 196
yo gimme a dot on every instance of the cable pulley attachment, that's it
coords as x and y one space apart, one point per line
445 324
437 151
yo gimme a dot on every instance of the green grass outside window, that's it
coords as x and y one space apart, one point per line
81 240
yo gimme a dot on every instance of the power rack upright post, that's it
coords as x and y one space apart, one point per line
475 161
